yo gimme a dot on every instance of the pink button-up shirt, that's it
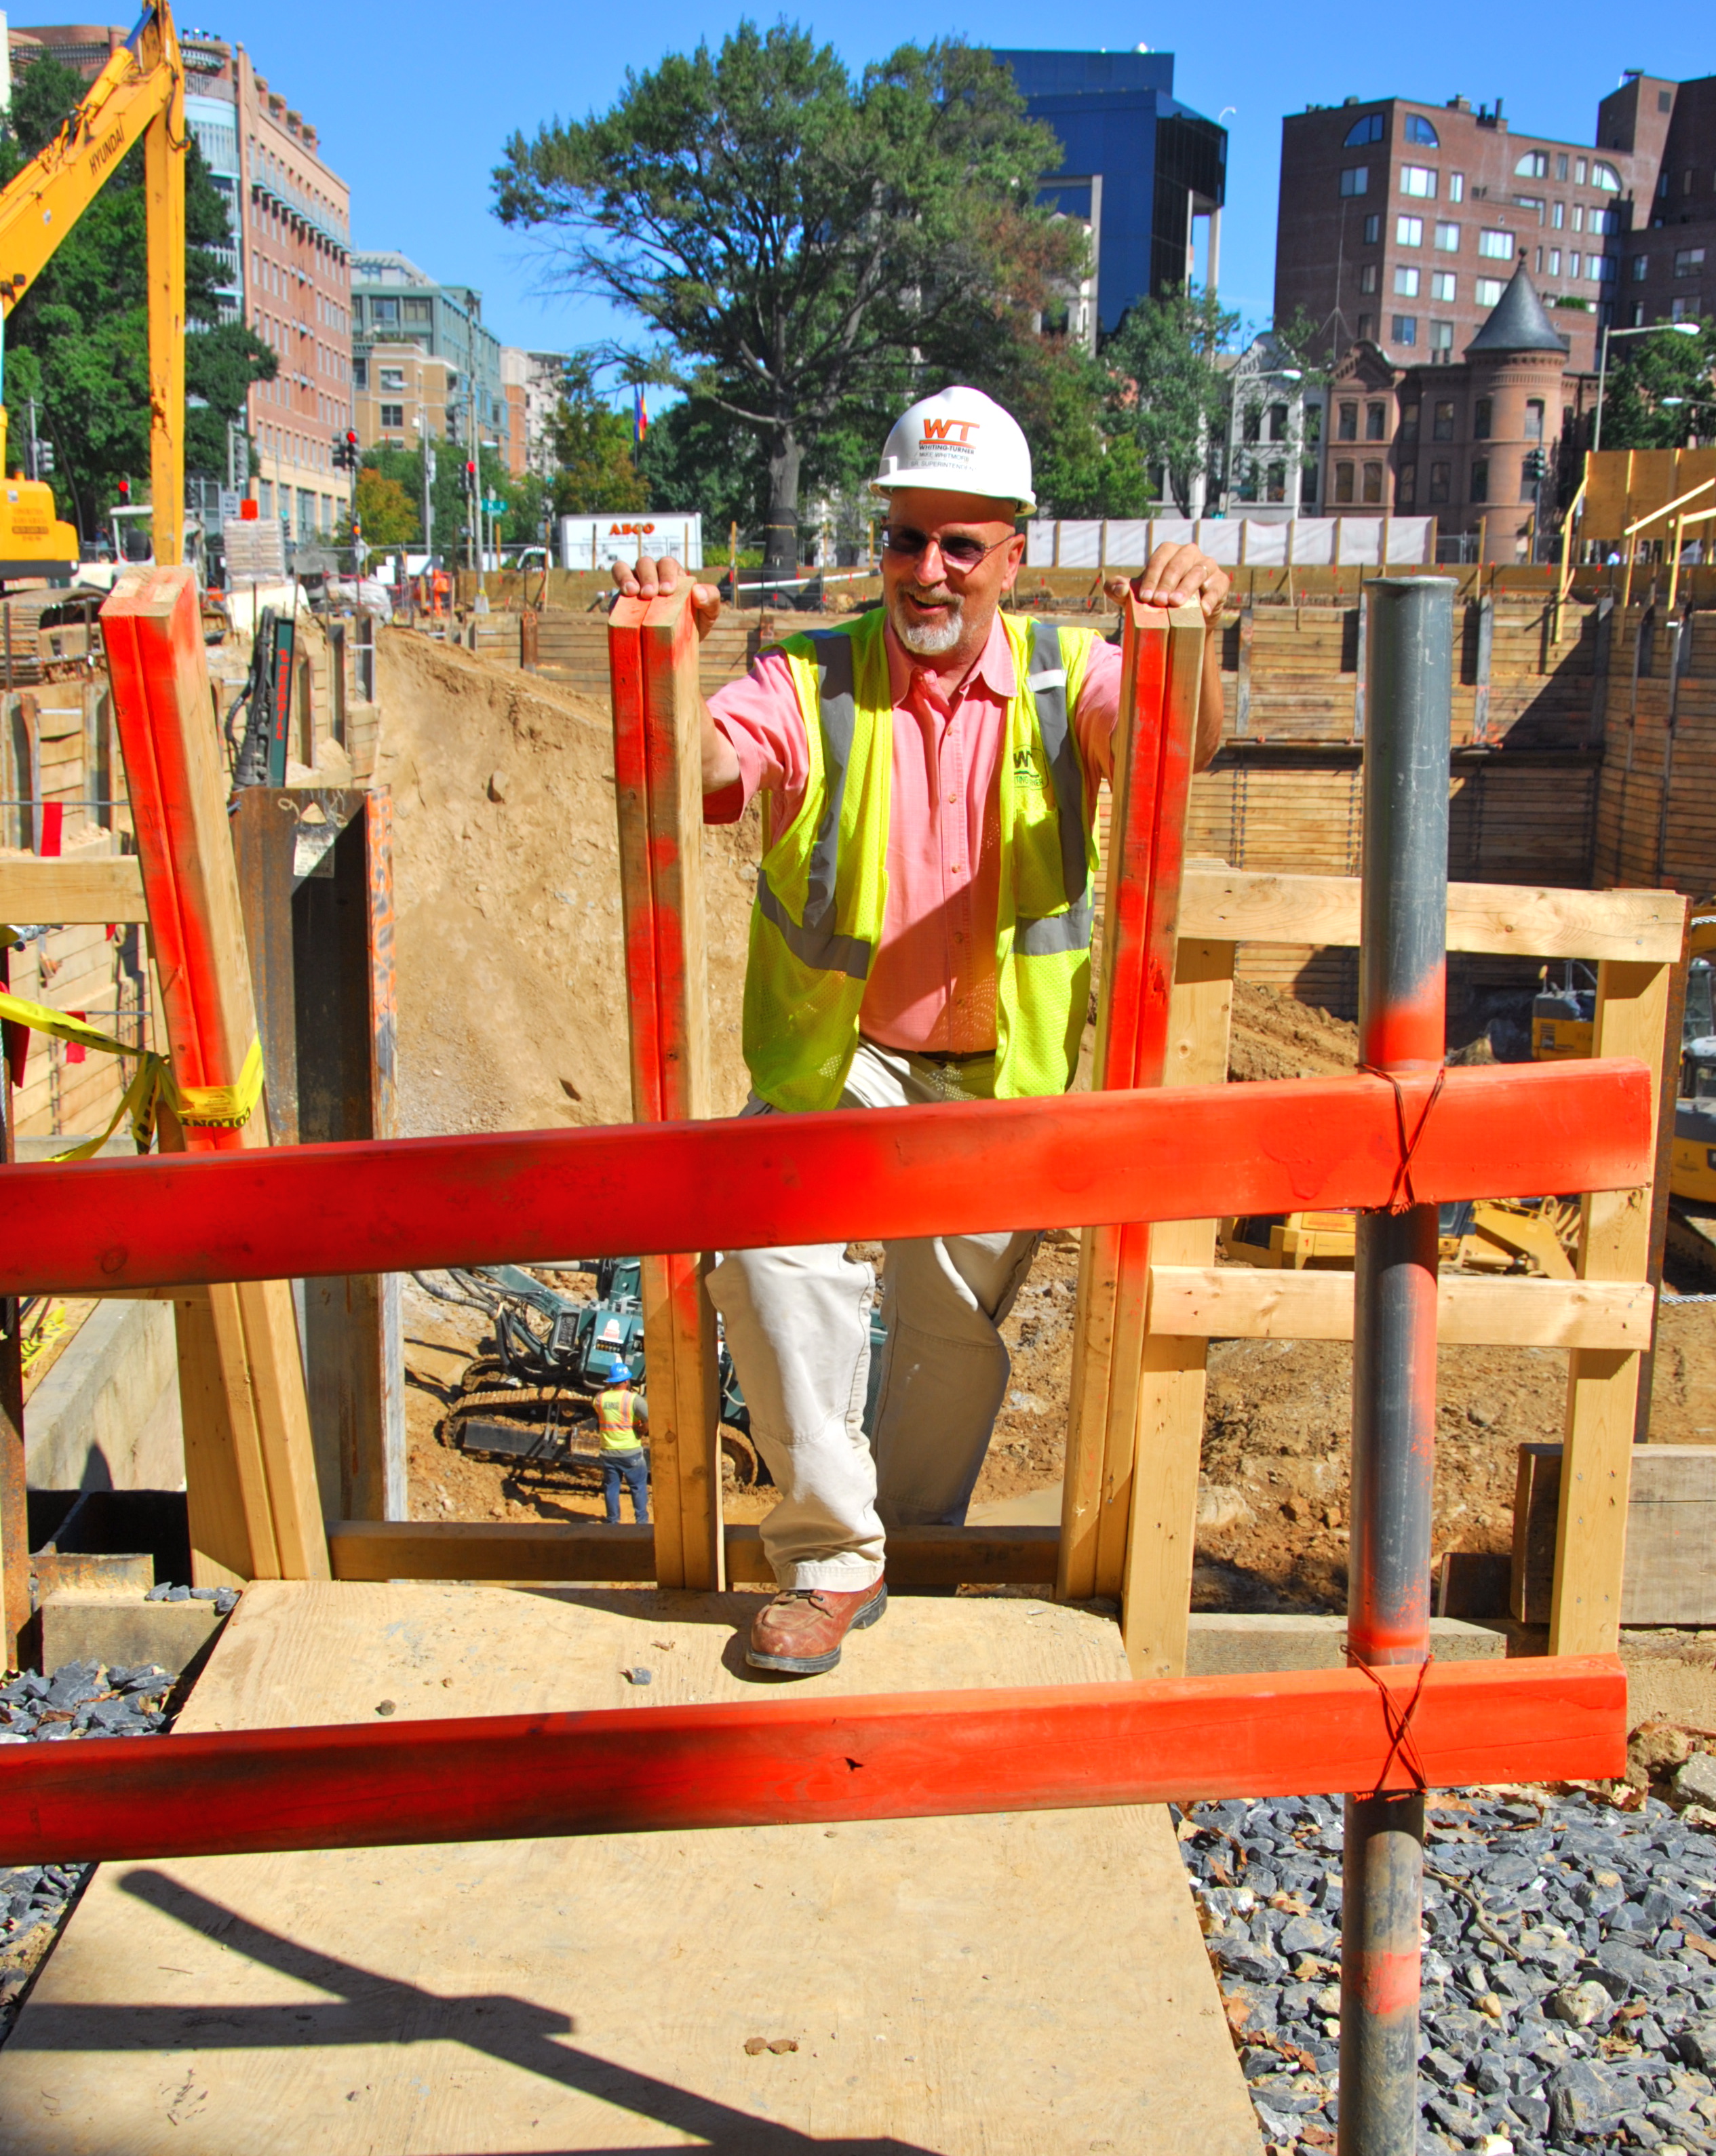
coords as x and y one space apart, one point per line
932 987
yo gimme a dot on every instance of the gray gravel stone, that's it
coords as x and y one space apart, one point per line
1695 1783
1581 2099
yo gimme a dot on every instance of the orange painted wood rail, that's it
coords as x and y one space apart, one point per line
786 1762
249 1458
1155 745
652 664
88 1227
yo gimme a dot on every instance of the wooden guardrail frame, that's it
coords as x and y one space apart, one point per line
1604 1319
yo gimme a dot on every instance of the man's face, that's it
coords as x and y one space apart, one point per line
936 605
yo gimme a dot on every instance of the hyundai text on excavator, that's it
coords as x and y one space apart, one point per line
140 92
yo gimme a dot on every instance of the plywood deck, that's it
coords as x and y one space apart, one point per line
1030 1984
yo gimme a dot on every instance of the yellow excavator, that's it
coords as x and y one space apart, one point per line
1478 1235
141 92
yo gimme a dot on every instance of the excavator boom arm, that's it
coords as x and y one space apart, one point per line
138 96
57 185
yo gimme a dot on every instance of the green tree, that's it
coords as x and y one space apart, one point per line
698 457
78 341
1661 391
389 516
1172 397
528 497
802 245
450 537
592 449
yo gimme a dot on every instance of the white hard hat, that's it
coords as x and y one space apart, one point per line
958 442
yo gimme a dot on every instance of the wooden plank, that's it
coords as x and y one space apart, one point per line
1669 1573
1145 853
659 796
1639 925
107 888
1079 1159
563 1550
805 1760
595 1994
1163 1506
151 626
1237 1302
1602 1382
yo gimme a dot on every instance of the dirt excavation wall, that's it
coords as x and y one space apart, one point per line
511 982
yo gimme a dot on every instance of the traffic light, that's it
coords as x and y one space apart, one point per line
345 451
1534 469
125 493
45 457
470 470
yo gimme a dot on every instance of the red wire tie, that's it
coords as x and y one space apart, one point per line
1402 1744
1401 1196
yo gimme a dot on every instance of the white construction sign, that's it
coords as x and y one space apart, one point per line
598 542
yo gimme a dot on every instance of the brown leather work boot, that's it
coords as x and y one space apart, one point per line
801 1630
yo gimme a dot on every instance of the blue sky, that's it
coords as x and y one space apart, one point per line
413 103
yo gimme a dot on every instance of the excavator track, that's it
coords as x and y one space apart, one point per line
551 1426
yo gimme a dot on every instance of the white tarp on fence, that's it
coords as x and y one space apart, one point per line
1304 541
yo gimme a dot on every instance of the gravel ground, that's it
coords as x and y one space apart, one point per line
82 1699
1569 1968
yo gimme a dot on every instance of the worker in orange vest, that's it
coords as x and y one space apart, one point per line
619 1412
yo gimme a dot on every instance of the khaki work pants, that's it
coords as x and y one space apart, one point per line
798 1325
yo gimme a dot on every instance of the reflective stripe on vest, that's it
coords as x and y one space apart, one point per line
815 939
614 1420
822 888
1047 682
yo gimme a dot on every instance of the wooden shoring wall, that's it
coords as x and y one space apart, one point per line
1656 820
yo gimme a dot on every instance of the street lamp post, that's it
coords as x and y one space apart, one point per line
1640 329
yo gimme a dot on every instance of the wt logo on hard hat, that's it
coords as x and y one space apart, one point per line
939 430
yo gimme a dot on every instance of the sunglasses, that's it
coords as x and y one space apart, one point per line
958 551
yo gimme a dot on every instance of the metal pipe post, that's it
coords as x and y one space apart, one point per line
1401 1015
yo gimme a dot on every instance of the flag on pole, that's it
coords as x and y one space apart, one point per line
641 417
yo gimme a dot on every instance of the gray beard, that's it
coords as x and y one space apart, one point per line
922 641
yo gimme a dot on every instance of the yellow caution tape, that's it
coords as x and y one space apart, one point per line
219 1107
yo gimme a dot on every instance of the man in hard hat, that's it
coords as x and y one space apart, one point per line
619 1412
922 932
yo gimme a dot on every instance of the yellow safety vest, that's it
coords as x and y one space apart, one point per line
822 889
614 1420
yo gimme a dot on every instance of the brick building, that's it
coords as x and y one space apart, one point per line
1670 269
533 383
1456 440
1400 224
296 239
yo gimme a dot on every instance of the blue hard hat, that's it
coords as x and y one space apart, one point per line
619 1373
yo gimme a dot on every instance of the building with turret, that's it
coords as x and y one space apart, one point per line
1476 441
